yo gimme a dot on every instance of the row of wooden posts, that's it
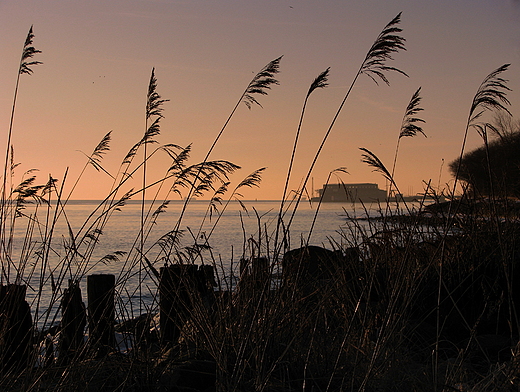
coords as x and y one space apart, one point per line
177 285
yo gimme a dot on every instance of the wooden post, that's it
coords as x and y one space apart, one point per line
16 328
101 312
176 286
243 267
207 282
73 322
260 271
254 275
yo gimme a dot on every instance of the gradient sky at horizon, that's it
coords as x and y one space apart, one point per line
98 56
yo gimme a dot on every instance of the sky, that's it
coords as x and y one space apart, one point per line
98 56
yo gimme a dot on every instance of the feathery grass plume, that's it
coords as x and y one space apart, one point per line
409 127
154 108
28 53
123 200
375 66
221 190
101 148
190 253
172 150
131 154
409 124
321 81
49 187
220 168
203 185
389 41
252 180
94 235
491 95
152 131
215 202
162 208
170 240
154 101
205 173
261 82
97 155
93 159
482 130
372 160
179 163
112 257
12 164
173 171
26 192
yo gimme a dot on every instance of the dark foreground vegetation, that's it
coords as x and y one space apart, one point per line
423 298
406 308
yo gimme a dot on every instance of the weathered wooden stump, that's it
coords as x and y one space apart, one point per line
206 279
101 312
181 286
16 328
73 322
177 283
307 264
260 269
254 275
310 269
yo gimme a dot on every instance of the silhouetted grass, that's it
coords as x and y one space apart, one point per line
420 298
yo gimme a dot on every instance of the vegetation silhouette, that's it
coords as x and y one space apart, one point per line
494 168
420 298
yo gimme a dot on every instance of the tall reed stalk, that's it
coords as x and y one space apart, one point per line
321 81
259 85
25 67
375 67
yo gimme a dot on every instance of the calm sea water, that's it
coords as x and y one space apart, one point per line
229 237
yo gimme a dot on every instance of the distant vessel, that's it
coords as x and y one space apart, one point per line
362 192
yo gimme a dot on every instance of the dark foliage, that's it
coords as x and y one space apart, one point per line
495 168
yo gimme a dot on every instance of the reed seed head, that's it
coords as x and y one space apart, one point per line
262 82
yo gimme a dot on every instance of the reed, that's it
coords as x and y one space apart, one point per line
420 297
375 66
410 125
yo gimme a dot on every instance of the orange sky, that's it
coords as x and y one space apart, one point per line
98 56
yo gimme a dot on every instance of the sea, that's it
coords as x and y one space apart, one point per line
89 240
